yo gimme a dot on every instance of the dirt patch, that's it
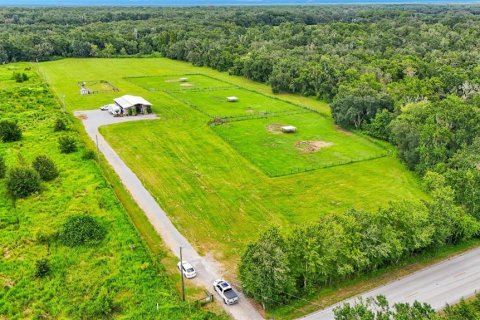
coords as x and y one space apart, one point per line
275 128
344 131
7 282
186 84
312 146
82 116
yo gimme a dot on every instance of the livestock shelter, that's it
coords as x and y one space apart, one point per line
133 105
232 99
289 129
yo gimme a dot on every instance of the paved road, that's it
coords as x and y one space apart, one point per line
442 283
208 269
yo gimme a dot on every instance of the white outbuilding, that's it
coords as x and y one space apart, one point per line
131 105
289 129
232 99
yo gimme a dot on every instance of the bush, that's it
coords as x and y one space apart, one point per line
20 77
22 182
60 125
3 168
88 155
10 131
43 268
45 168
67 144
81 230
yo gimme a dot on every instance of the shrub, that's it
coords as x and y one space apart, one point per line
67 144
60 125
22 182
45 168
43 268
10 131
81 230
3 168
20 77
88 155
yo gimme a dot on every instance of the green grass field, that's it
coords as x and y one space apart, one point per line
316 143
213 194
182 82
120 265
250 104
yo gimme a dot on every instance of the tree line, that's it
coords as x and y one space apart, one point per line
279 266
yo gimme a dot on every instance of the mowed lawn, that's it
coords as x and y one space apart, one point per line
214 195
215 104
315 144
182 82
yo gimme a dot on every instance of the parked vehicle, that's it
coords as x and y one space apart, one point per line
114 109
105 107
225 291
187 269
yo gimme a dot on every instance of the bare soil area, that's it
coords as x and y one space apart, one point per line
275 128
312 146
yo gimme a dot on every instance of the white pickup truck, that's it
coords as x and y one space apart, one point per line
225 291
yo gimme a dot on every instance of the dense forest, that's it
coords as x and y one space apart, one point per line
409 75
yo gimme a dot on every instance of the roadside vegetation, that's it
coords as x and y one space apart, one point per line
68 248
379 308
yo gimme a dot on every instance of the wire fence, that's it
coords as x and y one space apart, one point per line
258 115
296 170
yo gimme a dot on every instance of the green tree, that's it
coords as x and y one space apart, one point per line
10 131
81 230
22 182
352 106
264 270
45 167
67 144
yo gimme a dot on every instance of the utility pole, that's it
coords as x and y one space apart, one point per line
181 272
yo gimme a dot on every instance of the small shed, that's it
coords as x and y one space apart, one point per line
84 91
183 79
232 99
289 129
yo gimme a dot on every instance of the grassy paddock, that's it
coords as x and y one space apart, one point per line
214 102
184 82
279 154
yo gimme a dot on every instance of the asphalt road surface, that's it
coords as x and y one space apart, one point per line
442 283
208 269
